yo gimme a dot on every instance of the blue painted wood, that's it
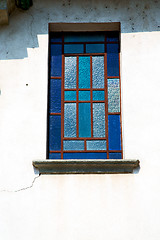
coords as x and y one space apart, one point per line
115 156
56 60
80 155
54 133
114 132
113 59
55 96
54 155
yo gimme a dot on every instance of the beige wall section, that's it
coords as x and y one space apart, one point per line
78 206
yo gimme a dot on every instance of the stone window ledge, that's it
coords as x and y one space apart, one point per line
85 166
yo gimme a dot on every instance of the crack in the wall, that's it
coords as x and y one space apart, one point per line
21 189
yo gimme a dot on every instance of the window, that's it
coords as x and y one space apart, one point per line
84 112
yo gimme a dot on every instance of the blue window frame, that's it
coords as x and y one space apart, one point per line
84 113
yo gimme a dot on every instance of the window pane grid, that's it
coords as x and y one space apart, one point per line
91 102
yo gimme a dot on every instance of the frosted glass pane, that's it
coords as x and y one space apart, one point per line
113 95
84 120
70 95
70 120
96 145
73 48
94 48
73 145
84 72
98 95
98 120
84 95
98 71
70 72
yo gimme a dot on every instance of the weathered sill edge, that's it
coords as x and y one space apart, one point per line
85 166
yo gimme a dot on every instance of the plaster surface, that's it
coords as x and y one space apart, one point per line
78 206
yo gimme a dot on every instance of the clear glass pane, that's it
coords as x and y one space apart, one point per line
84 37
94 48
70 120
73 48
98 71
73 145
96 145
113 95
98 95
84 95
84 72
70 95
84 120
98 120
70 72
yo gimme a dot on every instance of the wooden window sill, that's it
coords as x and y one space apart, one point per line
85 166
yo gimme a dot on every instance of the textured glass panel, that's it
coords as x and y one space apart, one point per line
84 72
115 156
84 95
98 120
73 48
70 72
114 132
90 155
70 95
113 59
70 120
55 96
113 95
94 48
84 37
98 71
84 120
112 36
55 37
98 95
73 145
54 132
54 155
56 60
96 145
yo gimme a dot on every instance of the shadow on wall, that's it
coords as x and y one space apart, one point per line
25 26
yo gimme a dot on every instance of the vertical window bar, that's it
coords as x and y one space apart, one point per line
91 93
77 90
106 101
62 99
120 105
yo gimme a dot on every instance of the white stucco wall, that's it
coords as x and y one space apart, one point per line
78 206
